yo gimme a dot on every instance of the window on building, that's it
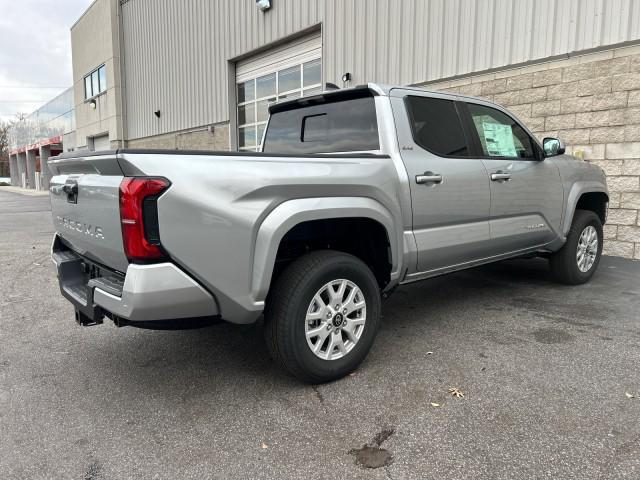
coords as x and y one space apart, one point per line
102 78
255 95
436 126
499 134
95 83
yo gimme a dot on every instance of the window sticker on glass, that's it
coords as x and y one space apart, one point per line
499 140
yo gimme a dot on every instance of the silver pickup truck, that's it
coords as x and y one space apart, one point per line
355 192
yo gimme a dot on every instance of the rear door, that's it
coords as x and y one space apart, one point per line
449 188
526 190
85 203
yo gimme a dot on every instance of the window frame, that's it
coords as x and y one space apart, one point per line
475 136
459 113
102 89
262 124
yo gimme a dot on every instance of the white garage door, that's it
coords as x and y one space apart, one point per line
101 143
289 71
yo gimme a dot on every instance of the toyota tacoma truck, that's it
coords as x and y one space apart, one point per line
355 192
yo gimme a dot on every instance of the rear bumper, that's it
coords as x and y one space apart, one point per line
153 292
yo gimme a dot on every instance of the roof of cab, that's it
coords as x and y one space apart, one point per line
369 89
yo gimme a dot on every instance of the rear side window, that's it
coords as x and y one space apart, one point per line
342 126
436 126
499 134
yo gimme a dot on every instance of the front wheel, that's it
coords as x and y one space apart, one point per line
322 316
577 260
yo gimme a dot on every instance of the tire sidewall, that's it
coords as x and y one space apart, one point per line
344 268
587 220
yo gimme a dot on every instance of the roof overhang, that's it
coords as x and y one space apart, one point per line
57 140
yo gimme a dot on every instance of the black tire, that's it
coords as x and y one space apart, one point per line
286 310
563 262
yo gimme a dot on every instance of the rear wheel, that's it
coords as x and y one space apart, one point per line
578 259
322 316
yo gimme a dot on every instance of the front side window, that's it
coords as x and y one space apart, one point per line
255 95
344 125
436 126
499 134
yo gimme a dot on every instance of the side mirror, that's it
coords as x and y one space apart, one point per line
553 146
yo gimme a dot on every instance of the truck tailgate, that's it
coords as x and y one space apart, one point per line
85 202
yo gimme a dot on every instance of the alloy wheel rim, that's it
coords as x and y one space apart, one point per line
335 319
587 249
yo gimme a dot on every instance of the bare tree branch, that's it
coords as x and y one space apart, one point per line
4 148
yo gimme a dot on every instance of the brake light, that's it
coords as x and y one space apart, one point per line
139 217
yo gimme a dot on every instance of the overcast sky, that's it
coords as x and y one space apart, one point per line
35 51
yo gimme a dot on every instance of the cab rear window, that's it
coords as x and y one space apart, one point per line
324 126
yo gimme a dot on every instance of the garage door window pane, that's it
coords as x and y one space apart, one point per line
246 91
312 91
260 133
263 109
246 114
247 137
289 79
254 97
311 73
289 96
266 86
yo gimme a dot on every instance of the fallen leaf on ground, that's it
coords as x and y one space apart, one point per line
456 392
629 395
434 404
264 445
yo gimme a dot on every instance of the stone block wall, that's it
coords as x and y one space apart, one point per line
199 139
592 102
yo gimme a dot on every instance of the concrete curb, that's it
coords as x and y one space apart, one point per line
25 191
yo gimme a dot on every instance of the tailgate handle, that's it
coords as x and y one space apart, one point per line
71 189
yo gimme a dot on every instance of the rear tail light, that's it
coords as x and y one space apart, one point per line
139 217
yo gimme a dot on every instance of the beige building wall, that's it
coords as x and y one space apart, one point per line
94 42
591 101
179 54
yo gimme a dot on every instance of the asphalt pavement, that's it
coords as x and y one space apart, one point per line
550 376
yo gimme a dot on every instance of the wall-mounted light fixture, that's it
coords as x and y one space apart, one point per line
93 104
346 77
157 113
263 5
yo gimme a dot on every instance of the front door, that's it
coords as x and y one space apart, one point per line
526 190
449 189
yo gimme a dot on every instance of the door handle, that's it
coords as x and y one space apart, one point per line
428 177
500 175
